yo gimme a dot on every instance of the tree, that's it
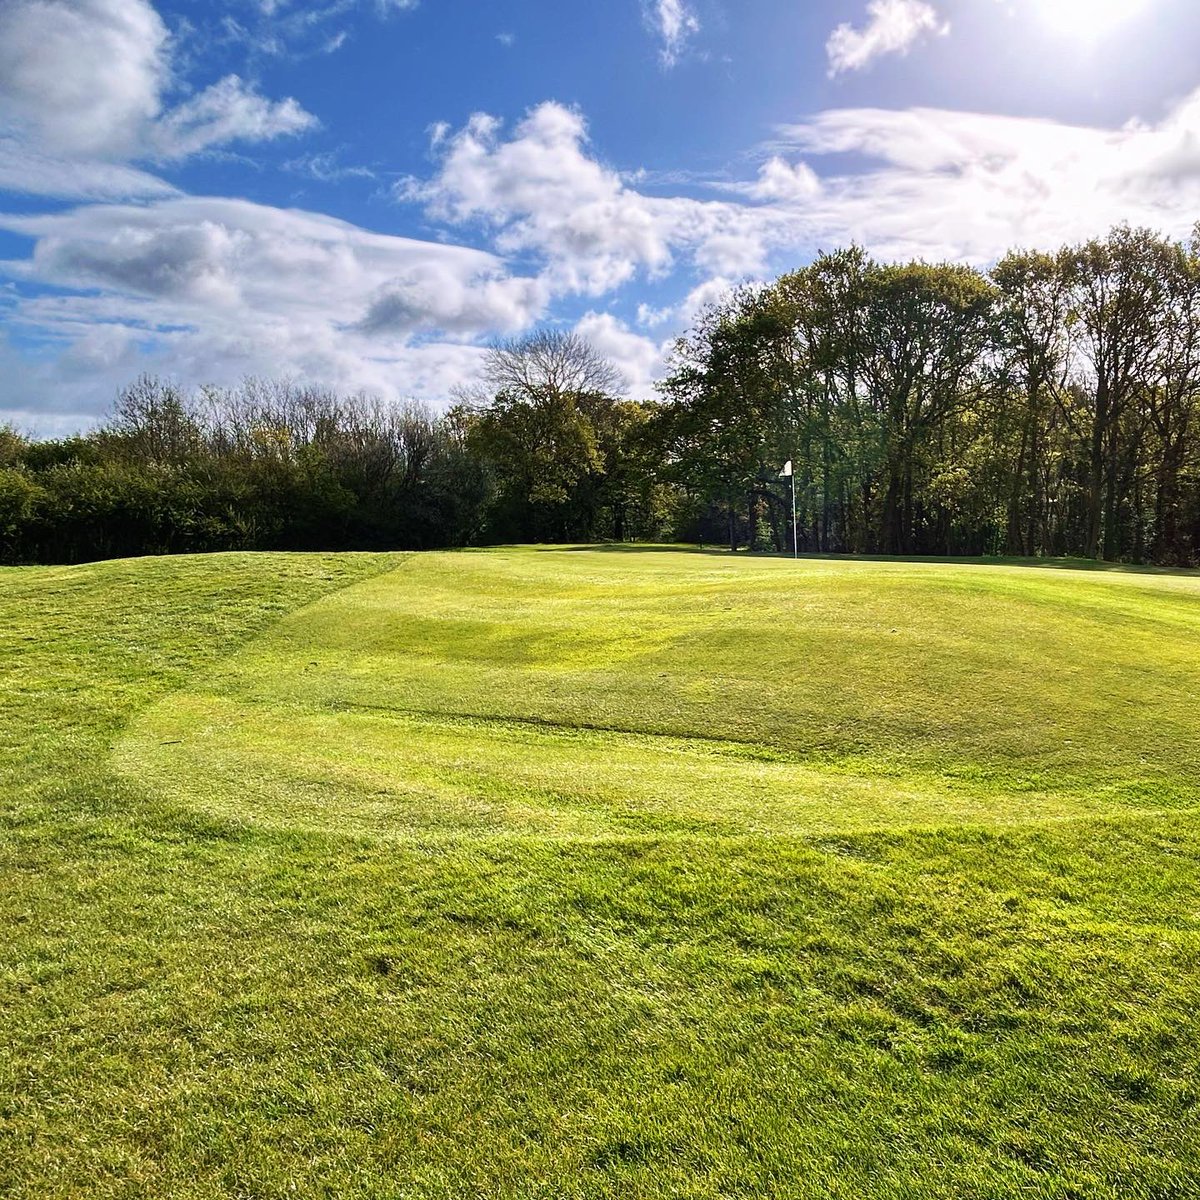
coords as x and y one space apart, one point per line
1174 399
549 363
547 432
1034 355
730 388
1118 293
922 343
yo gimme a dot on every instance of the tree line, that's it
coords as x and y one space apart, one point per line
1047 407
272 465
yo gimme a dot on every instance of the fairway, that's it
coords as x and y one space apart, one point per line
591 872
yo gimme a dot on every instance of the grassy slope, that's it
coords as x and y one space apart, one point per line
359 910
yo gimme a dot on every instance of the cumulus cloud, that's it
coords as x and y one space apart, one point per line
893 27
541 191
640 360
84 78
82 87
674 23
781 182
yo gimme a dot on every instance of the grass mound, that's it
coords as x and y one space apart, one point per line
586 874
572 694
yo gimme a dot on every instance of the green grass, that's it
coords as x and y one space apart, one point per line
560 873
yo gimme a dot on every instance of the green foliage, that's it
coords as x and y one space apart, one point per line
19 499
567 466
1049 409
761 539
264 467
543 454
12 446
584 874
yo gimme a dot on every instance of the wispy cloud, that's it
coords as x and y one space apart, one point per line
325 168
893 27
983 183
674 23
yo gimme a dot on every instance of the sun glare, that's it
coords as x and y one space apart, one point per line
1089 18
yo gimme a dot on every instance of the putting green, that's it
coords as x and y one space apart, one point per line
592 693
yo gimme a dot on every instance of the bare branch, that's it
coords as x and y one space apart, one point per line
549 361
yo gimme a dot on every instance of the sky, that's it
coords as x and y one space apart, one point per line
365 194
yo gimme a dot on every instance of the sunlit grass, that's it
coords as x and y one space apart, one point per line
588 873
574 694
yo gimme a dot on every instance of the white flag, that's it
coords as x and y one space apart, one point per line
786 473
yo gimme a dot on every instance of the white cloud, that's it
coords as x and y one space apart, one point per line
781 182
205 261
710 292
325 168
228 111
293 30
541 192
213 289
703 295
640 360
82 86
24 169
969 186
649 317
674 24
740 251
893 27
82 78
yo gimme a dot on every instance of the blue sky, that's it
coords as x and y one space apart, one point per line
365 193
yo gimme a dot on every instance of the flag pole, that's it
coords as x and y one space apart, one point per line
795 527
789 472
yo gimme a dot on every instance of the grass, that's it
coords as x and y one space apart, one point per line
565 874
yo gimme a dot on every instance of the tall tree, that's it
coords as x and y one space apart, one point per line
547 429
1118 293
1034 356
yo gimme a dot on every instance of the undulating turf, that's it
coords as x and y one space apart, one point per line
590 873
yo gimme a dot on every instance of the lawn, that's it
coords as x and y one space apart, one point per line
570 873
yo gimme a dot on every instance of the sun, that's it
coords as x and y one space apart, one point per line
1088 19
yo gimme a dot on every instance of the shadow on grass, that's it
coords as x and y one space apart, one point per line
1045 564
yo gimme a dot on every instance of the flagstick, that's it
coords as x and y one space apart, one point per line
795 527
789 472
